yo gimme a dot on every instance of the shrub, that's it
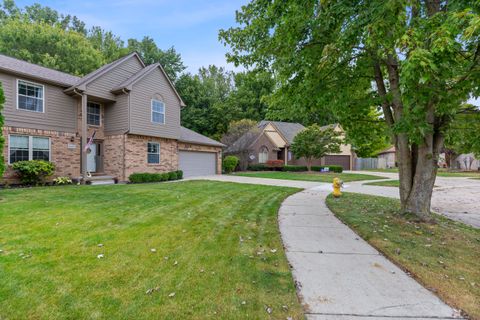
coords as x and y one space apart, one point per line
294 168
179 174
332 168
230 163
62 181
257 167
155 177
172 175
275 164
33 172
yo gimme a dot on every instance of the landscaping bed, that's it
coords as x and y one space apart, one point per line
188 250
443 256
309 176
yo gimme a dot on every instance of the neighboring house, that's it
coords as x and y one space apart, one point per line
387 158
133 109
464 162
272 141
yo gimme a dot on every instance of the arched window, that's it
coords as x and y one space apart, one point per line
263 155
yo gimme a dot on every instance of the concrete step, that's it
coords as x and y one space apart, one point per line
100 180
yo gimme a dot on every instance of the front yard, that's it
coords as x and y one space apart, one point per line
187 250
441 173
443 256
306 176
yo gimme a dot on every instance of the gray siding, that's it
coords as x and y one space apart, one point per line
101 87
60 112
116 116
154 84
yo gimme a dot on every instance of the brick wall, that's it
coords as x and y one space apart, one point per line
196 147
67 160
113 156
136 155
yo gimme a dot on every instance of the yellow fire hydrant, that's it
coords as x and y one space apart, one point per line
337 185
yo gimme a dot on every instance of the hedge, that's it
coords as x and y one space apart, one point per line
258 167
230 163
294 168
155 177
333 168
290 168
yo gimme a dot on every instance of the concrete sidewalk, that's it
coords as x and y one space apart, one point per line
340 276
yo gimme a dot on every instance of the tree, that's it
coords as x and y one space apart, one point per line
416 60
170 60
110 46
2 139
236 129
315 143
50 46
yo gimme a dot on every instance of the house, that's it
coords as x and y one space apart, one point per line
271 140
387 158
130 111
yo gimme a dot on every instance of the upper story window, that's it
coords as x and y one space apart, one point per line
158 111
28 148
93 114
153 152
30 96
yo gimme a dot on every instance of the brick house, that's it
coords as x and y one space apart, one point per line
271 140
132 111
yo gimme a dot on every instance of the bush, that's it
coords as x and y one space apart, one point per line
333 168
230 163
294 168
33 172
62 181
155 177
257 167
275 164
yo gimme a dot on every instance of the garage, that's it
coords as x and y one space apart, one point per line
194 163
338 160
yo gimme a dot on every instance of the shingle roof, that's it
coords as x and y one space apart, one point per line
31 70
288 129
187 135
390 149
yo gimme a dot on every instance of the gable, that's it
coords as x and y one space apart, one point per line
101 86
272 133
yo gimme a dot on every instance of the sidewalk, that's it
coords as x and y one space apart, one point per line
340 276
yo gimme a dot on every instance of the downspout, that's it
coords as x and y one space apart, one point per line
125 136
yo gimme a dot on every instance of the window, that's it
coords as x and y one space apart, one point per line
28 148
153 152
29 96
158 112
93 113
263 155
289 156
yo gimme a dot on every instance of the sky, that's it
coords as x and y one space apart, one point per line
191 26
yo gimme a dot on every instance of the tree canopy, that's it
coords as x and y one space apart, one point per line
314 142
416 61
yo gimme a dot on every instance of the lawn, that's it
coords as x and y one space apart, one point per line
305 176
386 183
440 173
443 256
187 250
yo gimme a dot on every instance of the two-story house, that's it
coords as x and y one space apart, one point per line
129 111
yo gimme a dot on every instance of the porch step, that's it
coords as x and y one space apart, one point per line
100 180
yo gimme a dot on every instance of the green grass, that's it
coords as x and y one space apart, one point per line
443 256
387 183
220 234
304 176
440 173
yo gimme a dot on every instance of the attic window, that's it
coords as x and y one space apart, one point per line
158 112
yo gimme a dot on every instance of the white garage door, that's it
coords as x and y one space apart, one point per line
197 163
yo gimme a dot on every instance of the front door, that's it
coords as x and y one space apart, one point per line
92 158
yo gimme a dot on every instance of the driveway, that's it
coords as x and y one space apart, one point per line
337 274
455 198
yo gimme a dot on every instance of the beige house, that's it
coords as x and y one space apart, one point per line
273 140
130 111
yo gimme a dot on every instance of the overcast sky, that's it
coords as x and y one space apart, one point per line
191 26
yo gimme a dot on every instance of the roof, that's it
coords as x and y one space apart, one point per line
244 142
35 71
287 129
190 136
101 71
390 149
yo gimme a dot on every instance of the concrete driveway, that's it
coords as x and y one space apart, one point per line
456 198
